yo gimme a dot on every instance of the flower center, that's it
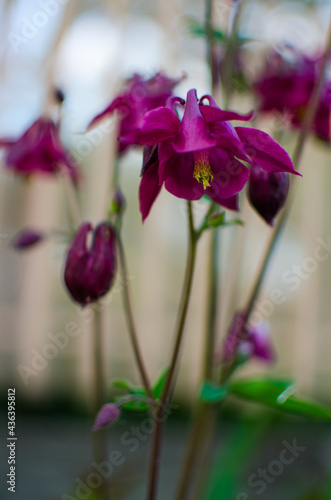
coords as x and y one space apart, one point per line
202 172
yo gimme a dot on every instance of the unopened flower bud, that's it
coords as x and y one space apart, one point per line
267 192
89 272
59 95
27 238
108 414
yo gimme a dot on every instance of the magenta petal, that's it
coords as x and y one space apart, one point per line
158 125
230 175
108 414
260 340
6 142
228 139
149 189
121 104
264 151
179 179
214 114
193 134
150 156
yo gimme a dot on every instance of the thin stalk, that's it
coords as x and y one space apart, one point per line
162 408
130 319
99 442
211 50
297 156
197 433
212 301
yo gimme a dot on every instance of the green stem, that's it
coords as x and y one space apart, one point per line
99 442
212 300
161 413
130 319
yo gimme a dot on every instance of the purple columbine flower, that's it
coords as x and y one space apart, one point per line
27 238
267 192
89 272
108 414
286 85
138 97
199 155
39 150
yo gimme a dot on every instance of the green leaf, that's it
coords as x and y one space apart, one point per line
263 390
278 394
159 384
217 219
197 29
213 393
132 403
233 222
124 384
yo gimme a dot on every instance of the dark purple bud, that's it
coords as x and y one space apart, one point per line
108 414
27 238
89 272
59 95
267 192
118 204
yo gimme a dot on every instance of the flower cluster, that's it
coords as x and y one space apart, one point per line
286 86
191 147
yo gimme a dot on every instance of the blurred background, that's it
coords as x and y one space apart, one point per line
87 48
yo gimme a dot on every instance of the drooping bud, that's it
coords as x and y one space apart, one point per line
267 192
108 414
59 95
118 203
89 272
27 238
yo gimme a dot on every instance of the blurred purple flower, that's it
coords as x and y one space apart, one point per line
258 343
108 414
89 272
267 192
247 341
286 86
138 97
27 238
39 150
197 155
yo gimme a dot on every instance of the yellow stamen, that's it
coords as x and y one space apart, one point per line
202 172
